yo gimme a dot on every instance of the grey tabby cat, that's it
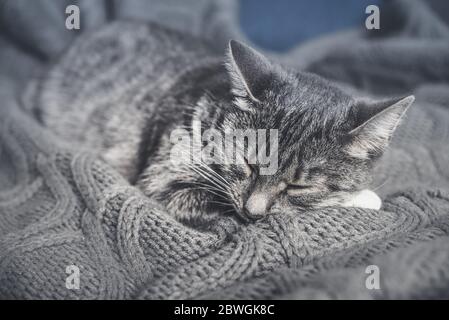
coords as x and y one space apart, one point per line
122 90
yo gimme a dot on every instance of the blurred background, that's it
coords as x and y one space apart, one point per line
38 25
282 24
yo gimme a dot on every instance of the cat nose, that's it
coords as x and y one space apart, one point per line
257 205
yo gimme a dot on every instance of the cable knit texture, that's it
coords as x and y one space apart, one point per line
61 207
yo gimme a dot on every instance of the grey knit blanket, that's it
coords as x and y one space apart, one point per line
62 209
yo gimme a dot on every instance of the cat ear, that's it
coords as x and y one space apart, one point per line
251 73
375 126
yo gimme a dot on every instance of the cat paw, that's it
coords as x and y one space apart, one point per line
364 199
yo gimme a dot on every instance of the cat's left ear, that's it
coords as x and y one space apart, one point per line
251 73
375 124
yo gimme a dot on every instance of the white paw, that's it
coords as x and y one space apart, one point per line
364 199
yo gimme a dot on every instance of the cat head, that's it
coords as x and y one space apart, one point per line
327 144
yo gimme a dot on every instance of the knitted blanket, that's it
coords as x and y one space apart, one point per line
65 213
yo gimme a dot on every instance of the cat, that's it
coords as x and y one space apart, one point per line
124 89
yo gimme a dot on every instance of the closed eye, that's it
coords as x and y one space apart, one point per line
298 187
295 189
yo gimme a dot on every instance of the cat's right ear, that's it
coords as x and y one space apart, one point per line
251 73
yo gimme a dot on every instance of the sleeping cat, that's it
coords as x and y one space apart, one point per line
124 89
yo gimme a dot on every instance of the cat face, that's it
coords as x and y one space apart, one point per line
327 140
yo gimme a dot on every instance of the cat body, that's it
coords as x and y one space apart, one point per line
125 89
105 89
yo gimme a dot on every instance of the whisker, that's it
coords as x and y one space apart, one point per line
381 185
